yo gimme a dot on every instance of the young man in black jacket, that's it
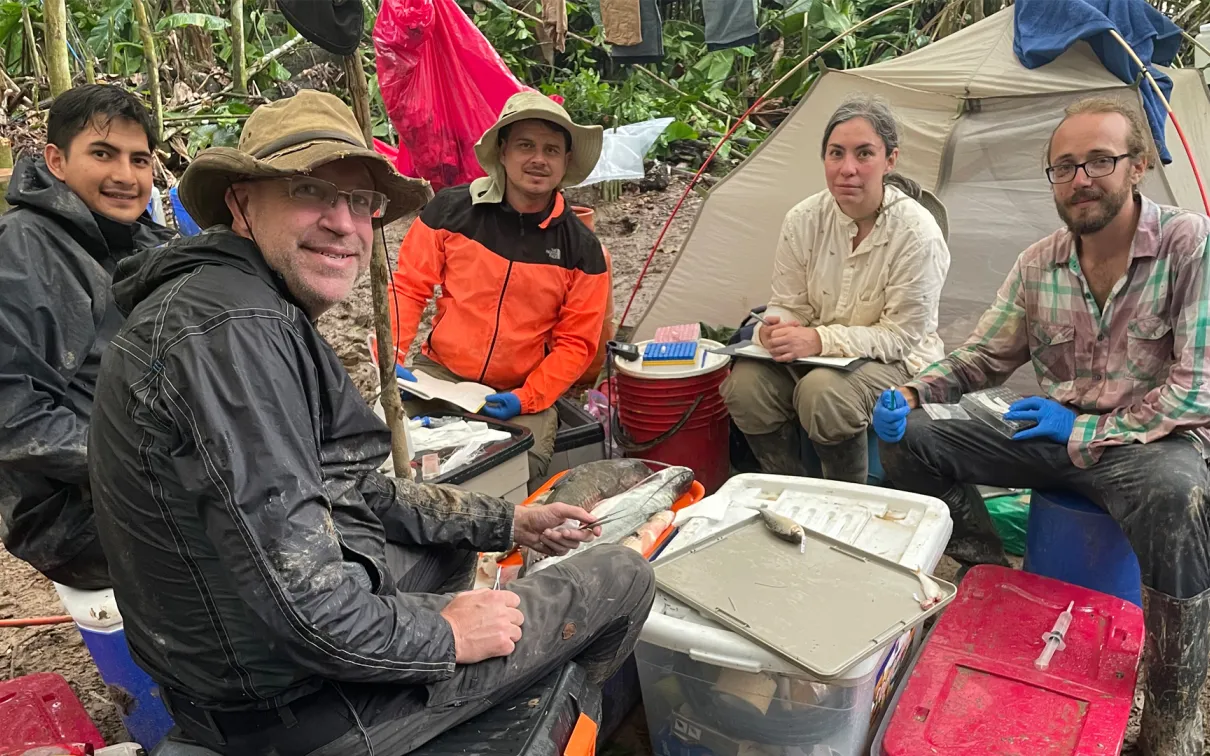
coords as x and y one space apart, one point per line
288 597
77 210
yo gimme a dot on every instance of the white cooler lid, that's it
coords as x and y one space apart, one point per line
907 528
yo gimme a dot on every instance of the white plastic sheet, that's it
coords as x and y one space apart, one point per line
623 150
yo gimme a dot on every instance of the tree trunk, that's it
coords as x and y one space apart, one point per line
380 275
151 62
6 170
55 27
239 70
198 46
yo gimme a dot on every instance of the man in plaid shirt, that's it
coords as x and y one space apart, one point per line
1114 313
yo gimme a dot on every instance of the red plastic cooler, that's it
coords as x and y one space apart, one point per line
42 710
976 692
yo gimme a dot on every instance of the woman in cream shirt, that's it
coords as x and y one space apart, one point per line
858 273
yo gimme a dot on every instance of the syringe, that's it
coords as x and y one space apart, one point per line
1054 639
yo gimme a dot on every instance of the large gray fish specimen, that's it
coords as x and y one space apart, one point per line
592 482
627 511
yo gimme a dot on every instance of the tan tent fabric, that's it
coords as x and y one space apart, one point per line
975 125
979 62
1190 98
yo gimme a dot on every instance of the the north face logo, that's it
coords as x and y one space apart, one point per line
554 253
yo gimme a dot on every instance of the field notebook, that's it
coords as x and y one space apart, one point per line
465 395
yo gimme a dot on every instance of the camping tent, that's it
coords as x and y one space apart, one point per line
974 126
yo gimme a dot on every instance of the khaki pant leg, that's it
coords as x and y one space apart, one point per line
544 425
759 396
836 405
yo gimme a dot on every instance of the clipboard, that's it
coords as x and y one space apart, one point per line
750 350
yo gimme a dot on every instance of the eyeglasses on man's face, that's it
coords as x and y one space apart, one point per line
319 193
1098 167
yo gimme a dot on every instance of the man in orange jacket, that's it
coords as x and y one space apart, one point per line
524 284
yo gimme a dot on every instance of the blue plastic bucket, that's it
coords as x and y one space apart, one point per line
1071 539
132 691
184 223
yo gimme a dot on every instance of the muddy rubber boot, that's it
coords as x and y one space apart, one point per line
847 461
1176 658
975 539
779 452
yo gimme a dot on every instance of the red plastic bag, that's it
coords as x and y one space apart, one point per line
443 85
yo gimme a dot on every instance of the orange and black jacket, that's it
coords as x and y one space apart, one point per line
523 296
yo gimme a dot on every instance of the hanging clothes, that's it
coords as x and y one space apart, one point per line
554 20
730 23
622 21
651 47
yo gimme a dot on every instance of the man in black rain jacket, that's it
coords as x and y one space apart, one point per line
77 210
287 596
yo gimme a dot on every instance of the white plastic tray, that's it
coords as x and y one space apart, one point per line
906 528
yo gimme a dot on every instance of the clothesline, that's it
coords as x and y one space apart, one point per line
637 66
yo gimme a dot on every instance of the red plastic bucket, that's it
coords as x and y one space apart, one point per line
651 402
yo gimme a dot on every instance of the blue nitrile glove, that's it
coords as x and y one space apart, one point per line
502 406
404 374
890 416
1054 421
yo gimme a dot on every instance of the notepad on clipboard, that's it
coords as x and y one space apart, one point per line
752 350
465 394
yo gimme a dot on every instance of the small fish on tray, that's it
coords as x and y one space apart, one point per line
783 527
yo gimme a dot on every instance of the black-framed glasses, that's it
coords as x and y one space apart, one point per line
317 192
1100 167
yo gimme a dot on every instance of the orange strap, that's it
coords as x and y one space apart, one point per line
583 740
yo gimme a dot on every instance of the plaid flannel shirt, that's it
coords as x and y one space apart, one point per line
1134 371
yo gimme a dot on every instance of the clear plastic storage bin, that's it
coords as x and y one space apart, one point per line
710 692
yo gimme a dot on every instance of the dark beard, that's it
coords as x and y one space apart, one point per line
1107 208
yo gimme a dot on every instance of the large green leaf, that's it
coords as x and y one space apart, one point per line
798 6
201 20
716 66
836 21
679 130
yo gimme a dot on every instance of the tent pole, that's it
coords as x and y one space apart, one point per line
759 101
1197 175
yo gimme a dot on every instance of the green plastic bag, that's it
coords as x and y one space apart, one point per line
1010 514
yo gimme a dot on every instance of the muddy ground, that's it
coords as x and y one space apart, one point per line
628 227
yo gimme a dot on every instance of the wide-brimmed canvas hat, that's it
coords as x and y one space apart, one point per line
937 210
524 106
290 137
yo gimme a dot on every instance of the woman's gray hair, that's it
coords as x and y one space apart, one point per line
877 112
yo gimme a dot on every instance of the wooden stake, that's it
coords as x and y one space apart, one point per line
239 67
151 61
55 28
380 275
6 170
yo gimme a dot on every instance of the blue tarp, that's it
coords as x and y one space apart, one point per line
1046 28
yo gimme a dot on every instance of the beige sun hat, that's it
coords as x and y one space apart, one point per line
289 137
937 209
524 106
